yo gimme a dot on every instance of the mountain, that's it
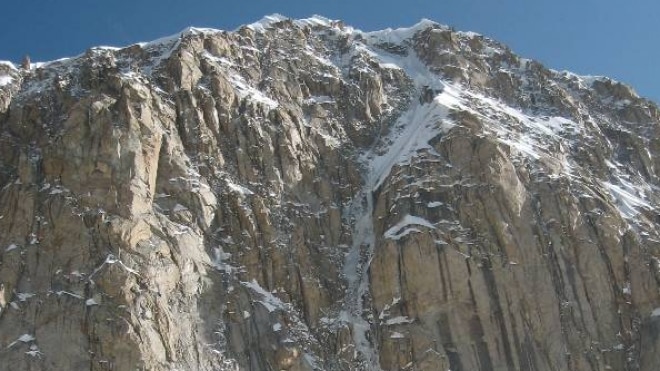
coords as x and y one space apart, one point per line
302 195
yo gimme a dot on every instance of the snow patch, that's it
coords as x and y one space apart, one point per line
5 80
34 351
110 259
238 188
626 198
266 22
399 35
322 99
534 137
24 296
107 47
68 293
320 21
269 301
400 320
402 228
219 60
469 34
244 90
25 338
412 133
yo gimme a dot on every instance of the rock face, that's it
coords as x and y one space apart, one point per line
300 195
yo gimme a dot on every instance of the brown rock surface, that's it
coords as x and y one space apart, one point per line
300 195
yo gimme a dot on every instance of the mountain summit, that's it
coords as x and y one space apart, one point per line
301 195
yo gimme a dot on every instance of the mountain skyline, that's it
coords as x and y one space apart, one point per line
588 38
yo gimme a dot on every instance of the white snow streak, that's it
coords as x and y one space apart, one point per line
269 301
244 90
398 321
5 80
402 228
400 35
625 198
412 134
238 188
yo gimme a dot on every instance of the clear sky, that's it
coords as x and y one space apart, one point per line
615 38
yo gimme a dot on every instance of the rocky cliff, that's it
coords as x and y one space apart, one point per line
301 195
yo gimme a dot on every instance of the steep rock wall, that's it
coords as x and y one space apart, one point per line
301 195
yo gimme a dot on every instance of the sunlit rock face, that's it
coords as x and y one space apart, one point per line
301 195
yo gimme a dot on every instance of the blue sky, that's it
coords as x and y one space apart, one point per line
615 38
